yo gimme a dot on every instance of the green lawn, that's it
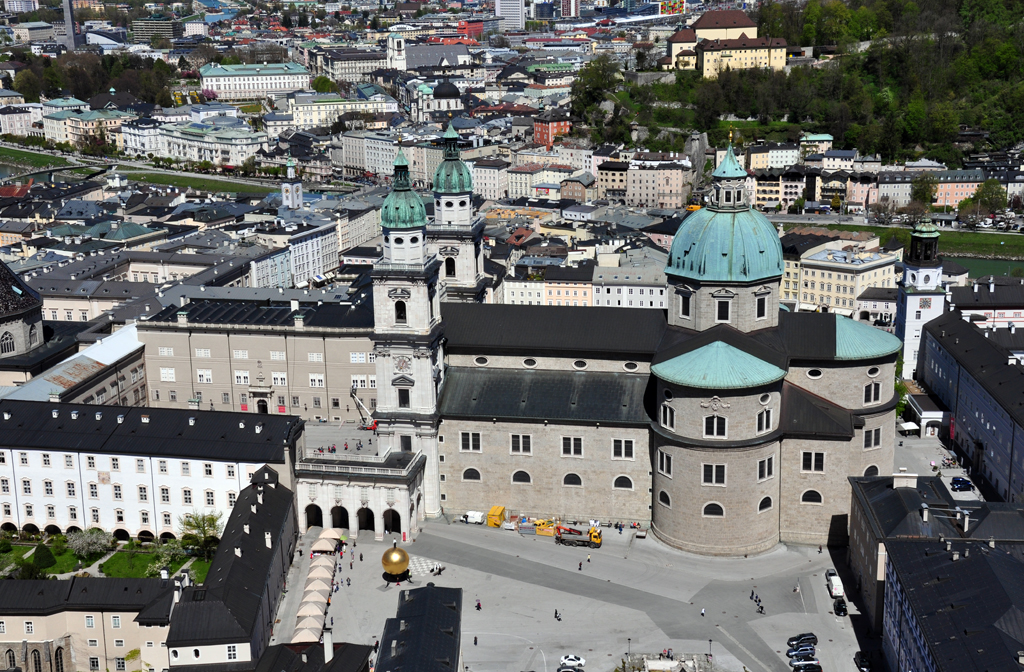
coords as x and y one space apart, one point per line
201 568
953 243
251 109
16 552
67 561
123 565
196 182
31 159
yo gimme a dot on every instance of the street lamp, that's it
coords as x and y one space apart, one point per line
709 648
629 645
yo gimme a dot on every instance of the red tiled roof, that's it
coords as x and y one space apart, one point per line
724 18
684 35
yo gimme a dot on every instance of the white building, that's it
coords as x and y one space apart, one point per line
197 28
142 136
18 119
252 82
219 140
353 150
490 178
921 297
381 151
19 6
130 471
310 110
313 250
513 12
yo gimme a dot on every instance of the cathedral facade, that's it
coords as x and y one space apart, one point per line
726 422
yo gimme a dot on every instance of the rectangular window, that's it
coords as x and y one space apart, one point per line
186 496
117 492
572 446
762 307
872 393
714 474
119 664
240 354
167 520
403 398
684 305
165 495
521 443
143 494
622 449
90 621
279 378
714 425
316 380
140 466
186 469
873 437
94 664
166 375
162 466
766 468
277 355
241 377
69 462
115 622
664 463
470 441
722 310
204 375
764 421
357 358
232 652
295 401
813 461
210 501
668 416
231 471
71 489
316 356
166 352
202 352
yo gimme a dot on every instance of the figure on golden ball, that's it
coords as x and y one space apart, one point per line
396 564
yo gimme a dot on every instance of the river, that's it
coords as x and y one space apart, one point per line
979 267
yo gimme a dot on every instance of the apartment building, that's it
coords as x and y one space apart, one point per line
743 53
253 81
490 178
569 285
144 30
661 185
611 180
311 110
956 185
834 279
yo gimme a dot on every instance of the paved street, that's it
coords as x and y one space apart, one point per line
635 594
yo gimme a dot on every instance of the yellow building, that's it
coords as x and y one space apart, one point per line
681 53
742 53
726 24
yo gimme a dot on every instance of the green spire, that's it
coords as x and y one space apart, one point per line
452 175
730 168
403 208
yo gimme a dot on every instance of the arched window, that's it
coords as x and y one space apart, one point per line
471 475
58 660
12 661
623 483
572 479
713 509
521 477
37 661
6 343
33 335
871 471
663 498
811 497
449 267
765 504
400 317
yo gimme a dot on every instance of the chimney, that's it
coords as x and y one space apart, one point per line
238 551
259 498
949 546
991 284
967 521
299 321
991 542
924 513
394 648
245 528
253 508
1020 657
55 398
268 540
294 304
975 288
904 480
956 555
182 317
328 645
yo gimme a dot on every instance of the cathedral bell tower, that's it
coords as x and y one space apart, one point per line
454 236
291 190
921 296
407 333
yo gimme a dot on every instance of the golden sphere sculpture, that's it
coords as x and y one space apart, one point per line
395 560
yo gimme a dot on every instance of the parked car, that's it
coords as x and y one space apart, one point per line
803 638
834 584
839 607
800 651
861 660
573 661
810 668
960 483
798 663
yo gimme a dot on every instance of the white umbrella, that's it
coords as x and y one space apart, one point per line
305 637
331 533
310 609
322 561
321 573
323 546
314 596
310 623
317 585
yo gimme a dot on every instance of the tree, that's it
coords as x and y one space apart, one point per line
324 85
27 84
883 211
286 21
43 557
594 80
202 531
90 542
28 570
991 196
644 60
923 188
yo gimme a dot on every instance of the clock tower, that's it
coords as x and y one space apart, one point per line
407 333
921 296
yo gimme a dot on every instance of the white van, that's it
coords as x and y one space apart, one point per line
475 517
834 584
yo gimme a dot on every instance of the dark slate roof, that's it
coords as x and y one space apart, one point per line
895 513
15 296
970 612
251 314
997 520
1003 296
147 431
950 267
558 396
879 294
310 658
808 415
41 598
426 632
983 359
507 328
226 608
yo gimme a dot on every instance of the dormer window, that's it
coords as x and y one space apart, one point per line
728 196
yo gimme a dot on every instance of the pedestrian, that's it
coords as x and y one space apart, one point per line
581 565
350 564
376 646
474 641
751 594
348 582
360 557
556 613
819 549
702 613
588 557
757 598
478 605
332 621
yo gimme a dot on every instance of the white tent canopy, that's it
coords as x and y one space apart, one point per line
315 596
331 533
305 636
321 573
310 609
322 561
323 546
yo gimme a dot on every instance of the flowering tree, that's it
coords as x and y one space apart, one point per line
209 94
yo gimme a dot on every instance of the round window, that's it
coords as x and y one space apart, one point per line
579 364
399 241
387 239
195 653
481 361
668 394
414 240
814 374
927 279
913 277
447 204
174 653
529 362
462 204
630 366
765 398
873 371
437 203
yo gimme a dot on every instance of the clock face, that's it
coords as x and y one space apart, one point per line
403 364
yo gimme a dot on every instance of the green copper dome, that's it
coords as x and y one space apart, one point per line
718 366
403 208
452 176
857 340
727 241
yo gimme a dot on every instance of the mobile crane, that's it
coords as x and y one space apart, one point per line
366 420
570 536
